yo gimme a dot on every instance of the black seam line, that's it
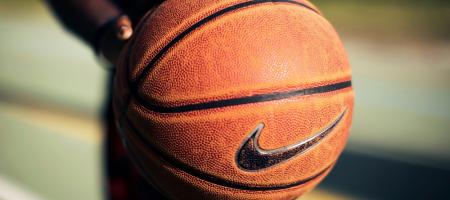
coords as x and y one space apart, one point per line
212 178
200 23
243 100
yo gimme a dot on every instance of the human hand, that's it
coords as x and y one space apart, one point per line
113 37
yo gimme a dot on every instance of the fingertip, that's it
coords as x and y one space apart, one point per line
124 32
123 28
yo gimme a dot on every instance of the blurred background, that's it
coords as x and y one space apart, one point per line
52 90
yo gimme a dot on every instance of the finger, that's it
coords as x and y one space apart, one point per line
123 28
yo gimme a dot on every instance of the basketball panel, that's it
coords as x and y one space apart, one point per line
208 140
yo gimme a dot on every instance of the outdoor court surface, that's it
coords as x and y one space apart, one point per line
51 92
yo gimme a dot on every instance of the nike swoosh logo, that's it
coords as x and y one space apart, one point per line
252 157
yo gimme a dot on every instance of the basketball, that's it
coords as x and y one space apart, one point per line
234 99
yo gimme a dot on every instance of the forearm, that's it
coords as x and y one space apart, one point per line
84 17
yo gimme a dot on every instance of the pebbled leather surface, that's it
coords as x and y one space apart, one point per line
260 49
223 60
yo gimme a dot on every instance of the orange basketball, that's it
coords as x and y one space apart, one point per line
234 99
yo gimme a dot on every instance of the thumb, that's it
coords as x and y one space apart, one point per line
123 28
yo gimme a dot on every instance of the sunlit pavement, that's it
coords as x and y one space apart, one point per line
51 92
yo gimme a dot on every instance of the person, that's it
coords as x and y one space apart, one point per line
106 25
